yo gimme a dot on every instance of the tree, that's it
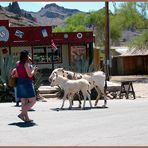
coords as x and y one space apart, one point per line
127 16
1 7
58 29
115 7
116 29
95 21
131 18
139 42
143 6
73 23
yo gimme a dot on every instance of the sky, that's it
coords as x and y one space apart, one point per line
82 6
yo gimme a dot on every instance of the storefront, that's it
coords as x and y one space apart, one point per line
71 49
75 47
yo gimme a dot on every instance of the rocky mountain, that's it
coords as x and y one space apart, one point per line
16 19
51 14
14 8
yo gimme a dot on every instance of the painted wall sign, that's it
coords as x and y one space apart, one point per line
4 51
79 35
65 36
77 56
19 34
44 33
4 34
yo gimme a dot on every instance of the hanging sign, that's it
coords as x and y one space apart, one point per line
4 34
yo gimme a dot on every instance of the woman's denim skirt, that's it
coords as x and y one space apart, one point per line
25 88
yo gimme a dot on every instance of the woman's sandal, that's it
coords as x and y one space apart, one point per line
29 120
22 118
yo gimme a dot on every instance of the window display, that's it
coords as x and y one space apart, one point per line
78 57
44 54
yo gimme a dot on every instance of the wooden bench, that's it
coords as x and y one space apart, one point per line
127 89
120 90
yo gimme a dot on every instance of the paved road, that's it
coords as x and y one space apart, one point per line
123 123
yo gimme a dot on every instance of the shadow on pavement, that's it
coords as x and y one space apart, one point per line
99 107
31 110
78 109
73 109
23 124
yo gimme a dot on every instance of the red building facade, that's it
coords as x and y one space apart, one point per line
72 47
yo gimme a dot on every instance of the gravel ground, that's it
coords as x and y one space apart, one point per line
140 84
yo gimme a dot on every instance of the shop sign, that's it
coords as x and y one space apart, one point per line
44 33
4 51
4 34
79 35
19 34
65 36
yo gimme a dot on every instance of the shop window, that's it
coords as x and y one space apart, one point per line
15 52
44 54
78 57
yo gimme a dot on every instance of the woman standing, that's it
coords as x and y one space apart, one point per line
25 87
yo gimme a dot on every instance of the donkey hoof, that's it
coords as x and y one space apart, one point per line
79 106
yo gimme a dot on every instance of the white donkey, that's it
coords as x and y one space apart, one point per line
71 87
97 80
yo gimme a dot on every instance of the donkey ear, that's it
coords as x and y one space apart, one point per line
55 73
80 76
62 70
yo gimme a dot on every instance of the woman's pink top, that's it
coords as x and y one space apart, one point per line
22 71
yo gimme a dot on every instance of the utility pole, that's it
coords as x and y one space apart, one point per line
107 44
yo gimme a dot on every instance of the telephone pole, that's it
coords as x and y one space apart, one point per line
107 44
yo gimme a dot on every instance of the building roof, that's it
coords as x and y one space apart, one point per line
135 52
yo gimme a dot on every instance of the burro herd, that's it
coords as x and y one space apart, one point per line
72 83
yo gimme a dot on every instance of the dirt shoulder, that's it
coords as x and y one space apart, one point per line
140 84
